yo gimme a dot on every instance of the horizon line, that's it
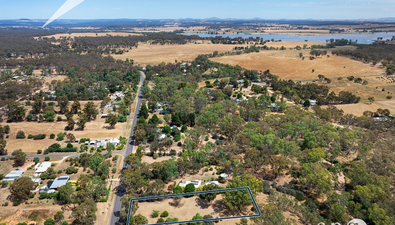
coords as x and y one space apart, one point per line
211 18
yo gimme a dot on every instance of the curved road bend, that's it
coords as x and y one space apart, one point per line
120 192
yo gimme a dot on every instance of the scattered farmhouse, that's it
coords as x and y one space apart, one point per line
54 186
118 95
225 175
103 143
36 180
41 168
313 102
196 183
13 175
212 182
161 137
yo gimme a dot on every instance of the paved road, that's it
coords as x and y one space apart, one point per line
120 192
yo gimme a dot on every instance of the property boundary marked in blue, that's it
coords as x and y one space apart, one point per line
197 193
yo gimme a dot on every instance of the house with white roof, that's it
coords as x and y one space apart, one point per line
13 175
212 182
196 183
161 137
41 168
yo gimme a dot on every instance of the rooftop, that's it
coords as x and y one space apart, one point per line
15 173
42 167
59 182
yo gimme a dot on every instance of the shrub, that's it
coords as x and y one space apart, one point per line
169 220
33 215
47 158
71 170
4 184
40 137
266 187
20 135
155 214
52 136
59 118
30 136
189 188
179 144
56 148
155 156
39 151
160 220
122 118
177 137
164 214
114 170
60 137
219 142
49 222
173 152
184 128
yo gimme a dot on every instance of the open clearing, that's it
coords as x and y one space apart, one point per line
377 88
287 65
154 54
186 208
358 109
93 34
292 44
96 129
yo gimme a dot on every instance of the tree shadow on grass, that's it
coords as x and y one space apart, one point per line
177 202
219 207
202 203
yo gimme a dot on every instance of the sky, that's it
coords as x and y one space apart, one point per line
199 9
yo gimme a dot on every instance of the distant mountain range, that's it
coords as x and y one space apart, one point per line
117 23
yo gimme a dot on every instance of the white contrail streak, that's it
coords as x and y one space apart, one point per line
67 6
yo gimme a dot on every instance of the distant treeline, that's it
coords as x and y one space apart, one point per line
290 89
373 53
333 43
21 42
236 40
105 44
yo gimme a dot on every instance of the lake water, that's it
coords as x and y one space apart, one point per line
361 38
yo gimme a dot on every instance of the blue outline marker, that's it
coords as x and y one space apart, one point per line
197 193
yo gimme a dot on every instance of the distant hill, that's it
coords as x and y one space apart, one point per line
388 18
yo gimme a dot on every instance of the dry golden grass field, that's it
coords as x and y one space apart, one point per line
292 44
358 109
154 54
96 129
287 64
377 88
187 208
374 88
